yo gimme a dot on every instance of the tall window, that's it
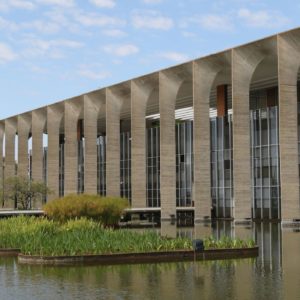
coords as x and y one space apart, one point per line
184 163
153 167
265 154
125 165
101 165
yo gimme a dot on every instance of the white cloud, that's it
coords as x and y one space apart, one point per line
114 32
216 22
42 26
49 48
6 53
151 20
97 20
262 18
152 1
121 50
63 3
87 72
174 56
5 5
8 25
104 3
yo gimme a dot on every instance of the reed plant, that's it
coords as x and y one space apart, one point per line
106 210
41 236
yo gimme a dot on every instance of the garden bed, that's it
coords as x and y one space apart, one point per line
137 258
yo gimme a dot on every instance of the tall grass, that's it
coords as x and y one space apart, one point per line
107 210
39 236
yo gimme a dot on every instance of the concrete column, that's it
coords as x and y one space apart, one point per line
242 71
54 118
38 124
168 89
204 73
24 122
244 63
91 111
71 147
10 163
2 129
288 67
139 97
113 108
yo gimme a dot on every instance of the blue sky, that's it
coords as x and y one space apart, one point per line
51 50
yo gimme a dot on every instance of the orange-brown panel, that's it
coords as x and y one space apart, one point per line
221 100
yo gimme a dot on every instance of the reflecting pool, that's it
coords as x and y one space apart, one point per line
275 274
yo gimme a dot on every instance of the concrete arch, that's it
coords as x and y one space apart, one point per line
288 66
93 106
141 91
205 72
245 60
24 129
73 112
117 98
55 121
169 85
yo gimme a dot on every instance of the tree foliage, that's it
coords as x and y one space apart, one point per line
23 192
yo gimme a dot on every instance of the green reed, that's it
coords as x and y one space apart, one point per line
40 236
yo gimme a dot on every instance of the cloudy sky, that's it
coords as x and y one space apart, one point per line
55 49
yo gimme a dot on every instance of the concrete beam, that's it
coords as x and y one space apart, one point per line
288 68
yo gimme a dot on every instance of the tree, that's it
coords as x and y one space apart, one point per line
23 192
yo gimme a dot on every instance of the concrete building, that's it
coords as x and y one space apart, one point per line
214 137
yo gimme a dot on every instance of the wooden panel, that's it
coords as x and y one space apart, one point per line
222 100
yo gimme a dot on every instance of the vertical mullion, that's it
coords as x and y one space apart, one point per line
260 166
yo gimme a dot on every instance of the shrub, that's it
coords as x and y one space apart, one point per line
106 210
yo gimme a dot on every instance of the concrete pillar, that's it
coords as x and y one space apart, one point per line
91 111
168 89
24 123
113 108
54 118
204 73
244 63
242 71
2 129
10 163
72 111
139 96
288 67
38 124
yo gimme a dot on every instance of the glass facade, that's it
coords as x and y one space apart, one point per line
101 165
184 163
61 165
80 176
221 166
153 167
265 155
125 165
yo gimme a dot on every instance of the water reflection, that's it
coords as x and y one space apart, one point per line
273 275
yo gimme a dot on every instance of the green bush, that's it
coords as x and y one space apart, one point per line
106 210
